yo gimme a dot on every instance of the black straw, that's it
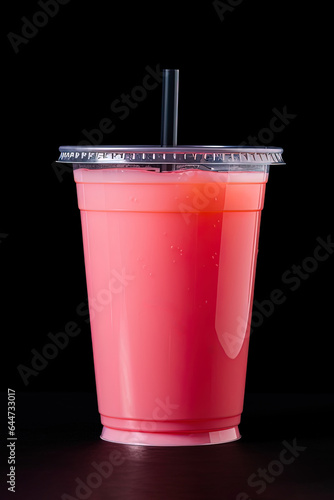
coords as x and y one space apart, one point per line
169 109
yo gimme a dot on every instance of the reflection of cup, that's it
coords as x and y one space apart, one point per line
170 263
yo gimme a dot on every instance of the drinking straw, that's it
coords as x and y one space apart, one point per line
169 110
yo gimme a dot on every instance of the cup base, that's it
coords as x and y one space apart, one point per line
168 439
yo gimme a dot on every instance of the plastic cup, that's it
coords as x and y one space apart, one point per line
170 261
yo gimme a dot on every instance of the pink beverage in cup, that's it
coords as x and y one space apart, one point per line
170 262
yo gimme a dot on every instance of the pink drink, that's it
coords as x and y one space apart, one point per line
170 264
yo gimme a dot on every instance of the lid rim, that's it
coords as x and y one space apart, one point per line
176 155
174 149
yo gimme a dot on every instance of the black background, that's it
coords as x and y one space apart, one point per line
233 74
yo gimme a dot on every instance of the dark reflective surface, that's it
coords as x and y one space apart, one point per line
68 460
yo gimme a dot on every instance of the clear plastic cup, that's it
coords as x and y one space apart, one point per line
170 241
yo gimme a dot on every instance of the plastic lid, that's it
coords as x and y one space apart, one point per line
206 157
